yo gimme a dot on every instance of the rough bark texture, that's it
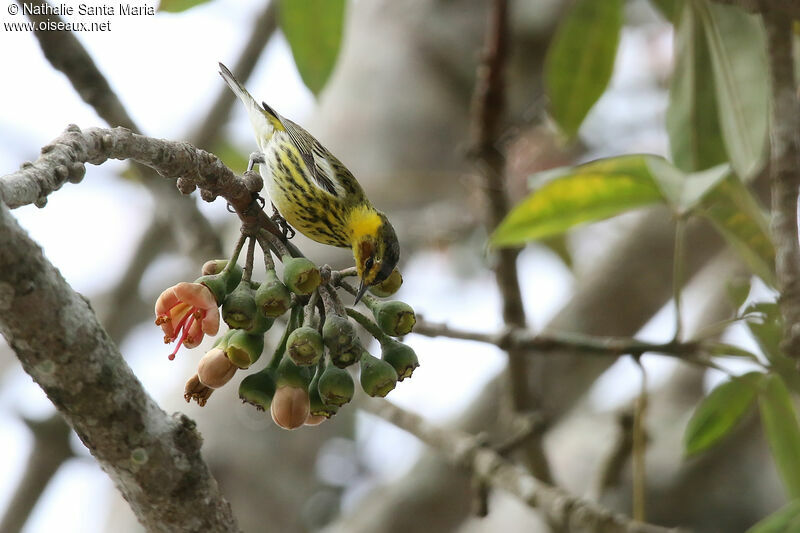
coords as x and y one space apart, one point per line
154 459
785 174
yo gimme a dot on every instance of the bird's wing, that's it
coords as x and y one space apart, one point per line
327 172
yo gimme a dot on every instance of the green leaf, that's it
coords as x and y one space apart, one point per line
738 290
737 216
586 193
684 191
784 520
580 60
719 412
767 330
738 59
314 31
692 122
783 431
668 8
722 349
176 6
558 245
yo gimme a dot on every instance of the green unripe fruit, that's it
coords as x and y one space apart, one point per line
388 286
258 389
220 281
300 275
378 377
272 297
348 357
394 317
261 325
304 346
338 334
239 310
291 375
318 405
244 349
401 356
336 386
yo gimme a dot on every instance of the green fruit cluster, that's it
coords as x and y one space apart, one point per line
307 379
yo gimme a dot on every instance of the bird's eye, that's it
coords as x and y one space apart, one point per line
368 264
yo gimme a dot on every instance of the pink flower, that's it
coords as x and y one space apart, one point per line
186 312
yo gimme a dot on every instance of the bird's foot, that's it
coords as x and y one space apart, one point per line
256 158
288 231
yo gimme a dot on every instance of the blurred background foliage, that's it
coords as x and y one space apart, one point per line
636 145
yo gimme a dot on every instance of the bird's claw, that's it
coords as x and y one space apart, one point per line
255 158
288 231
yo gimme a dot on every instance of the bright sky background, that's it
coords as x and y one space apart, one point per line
164 70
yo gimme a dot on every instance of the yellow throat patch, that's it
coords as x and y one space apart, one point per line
364 220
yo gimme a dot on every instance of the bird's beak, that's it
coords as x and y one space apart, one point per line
362 288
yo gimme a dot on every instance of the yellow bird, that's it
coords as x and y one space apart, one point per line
315 193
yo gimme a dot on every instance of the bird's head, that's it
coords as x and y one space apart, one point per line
375 248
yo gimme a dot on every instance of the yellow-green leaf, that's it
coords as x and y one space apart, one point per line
784 520
692 122
738 217
719 412
586 193
782 430
176 6
314 31
580 60
738 59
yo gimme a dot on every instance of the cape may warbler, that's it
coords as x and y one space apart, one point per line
316 193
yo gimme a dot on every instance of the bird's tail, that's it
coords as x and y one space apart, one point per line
262 123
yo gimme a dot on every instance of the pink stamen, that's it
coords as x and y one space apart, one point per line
183 326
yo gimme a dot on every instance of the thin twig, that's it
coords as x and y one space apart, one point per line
561 509
639 450
785 174
610 472
247 272
541 343
677 275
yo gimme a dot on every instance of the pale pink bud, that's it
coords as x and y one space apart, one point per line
215 369
290 407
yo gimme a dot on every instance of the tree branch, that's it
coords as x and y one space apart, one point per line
488 110
785 173
525 340
154 459
559 507
50 449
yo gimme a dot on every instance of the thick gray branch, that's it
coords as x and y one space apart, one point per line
785 173
66 155
559 507
154 459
